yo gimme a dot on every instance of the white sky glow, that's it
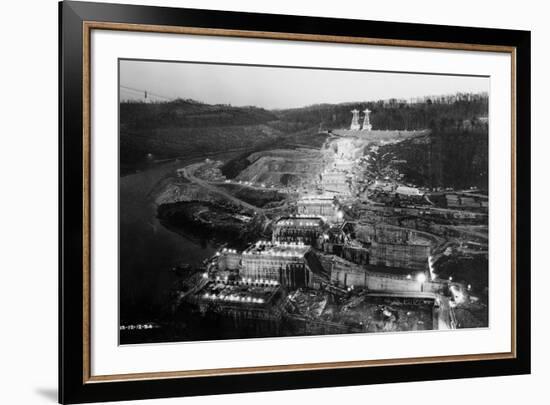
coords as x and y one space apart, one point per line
280 87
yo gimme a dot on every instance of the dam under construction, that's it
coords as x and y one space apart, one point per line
312 241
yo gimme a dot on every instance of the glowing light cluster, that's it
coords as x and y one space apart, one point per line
290 244
233 298
258 281
421 277
276 253
277 249
289 222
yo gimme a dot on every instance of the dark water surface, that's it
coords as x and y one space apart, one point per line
148 250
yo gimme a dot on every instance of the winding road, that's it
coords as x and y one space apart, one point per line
188 173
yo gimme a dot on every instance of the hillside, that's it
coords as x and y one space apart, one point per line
186 128
454 153
391 114
454 157
189 114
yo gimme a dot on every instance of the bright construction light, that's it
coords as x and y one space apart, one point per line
451 278
421 277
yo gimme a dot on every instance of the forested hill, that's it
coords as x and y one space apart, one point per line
190 129
189 113
455 157
394 114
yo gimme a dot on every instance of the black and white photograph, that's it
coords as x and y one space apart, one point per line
213 202
282 201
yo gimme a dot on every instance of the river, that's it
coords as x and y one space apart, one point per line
148 250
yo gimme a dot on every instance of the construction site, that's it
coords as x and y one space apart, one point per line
346 247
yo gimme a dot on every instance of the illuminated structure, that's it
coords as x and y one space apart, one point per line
281 262
408 191
304 230
229 259
366 121
317 206
355 126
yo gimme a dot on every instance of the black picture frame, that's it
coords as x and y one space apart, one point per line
73 385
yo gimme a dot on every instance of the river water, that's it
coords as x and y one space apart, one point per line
148 250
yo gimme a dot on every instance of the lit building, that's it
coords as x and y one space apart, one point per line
245 299
282 262
304 230
229 259
408 191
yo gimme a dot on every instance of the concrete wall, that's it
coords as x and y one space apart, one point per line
345 274
402 256
290 272
323 208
